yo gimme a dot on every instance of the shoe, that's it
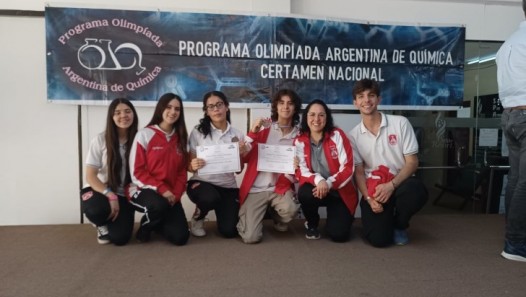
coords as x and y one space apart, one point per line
515 252
143 235
400 237
196 227
281 227
311 233
103 235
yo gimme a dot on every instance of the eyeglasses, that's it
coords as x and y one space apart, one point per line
218 105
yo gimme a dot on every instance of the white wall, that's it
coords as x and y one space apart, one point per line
39 154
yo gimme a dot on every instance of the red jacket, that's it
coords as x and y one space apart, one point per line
156 163
282 184
338 152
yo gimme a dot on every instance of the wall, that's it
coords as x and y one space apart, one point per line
39 153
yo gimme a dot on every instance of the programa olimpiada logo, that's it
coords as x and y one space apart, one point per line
110 54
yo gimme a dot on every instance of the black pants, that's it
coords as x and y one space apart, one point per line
224 201
339 218
407 199
97 208
159 215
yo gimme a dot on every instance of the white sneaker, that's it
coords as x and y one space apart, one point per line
196 227
103 235
281 227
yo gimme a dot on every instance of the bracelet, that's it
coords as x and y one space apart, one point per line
113 197
106 191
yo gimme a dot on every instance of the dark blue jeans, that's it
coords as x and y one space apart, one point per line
514 129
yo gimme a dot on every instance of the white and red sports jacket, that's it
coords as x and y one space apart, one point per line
283 184
156 163
338 152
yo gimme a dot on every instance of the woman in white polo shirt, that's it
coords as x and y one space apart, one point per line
218 192
103 201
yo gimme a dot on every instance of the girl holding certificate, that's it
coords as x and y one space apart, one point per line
103 201
325 173
158 161
260 190
218 191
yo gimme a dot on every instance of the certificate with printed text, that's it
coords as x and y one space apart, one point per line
219 158
276 158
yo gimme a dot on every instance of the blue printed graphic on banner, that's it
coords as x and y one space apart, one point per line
100 54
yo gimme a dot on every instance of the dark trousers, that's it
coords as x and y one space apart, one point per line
224 201
407 199
339 218
97 209
159 215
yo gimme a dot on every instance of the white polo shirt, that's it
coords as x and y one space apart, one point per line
225 180
396 139
511 69
98 156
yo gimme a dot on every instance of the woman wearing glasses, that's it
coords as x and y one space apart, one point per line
325 173
218 192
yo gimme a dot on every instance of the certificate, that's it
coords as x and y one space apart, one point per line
276 158
219 158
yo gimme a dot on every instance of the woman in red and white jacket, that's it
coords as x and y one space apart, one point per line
158 161
325 173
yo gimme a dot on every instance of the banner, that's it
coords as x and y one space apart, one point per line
100 54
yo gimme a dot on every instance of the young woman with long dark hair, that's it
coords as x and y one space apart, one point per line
107 172
158 162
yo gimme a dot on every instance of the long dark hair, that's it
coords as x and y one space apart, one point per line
205 123
179 125
111 136
295 99
329 122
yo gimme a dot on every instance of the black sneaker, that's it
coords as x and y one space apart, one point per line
103 235
311 233
514 252
143 235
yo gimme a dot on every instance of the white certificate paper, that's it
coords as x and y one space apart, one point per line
219 158
276 158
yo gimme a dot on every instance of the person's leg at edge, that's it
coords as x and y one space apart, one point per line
284 209
514 128
339 218
410 196
251 214
378 228
205 197
227 212
154 207
95 206
175 226
309 207
121 229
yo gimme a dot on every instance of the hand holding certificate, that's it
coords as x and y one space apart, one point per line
276 158
220 158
